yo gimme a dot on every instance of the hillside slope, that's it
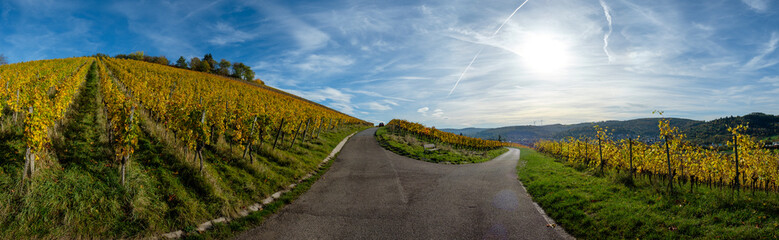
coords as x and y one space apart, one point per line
76 191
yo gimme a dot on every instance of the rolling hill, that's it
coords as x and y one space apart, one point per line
762 126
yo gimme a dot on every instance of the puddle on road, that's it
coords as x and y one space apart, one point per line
506 200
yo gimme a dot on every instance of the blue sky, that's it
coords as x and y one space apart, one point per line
561 61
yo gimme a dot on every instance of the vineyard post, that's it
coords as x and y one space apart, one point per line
305 131
30 157
586 154
329 123
16 113
201 145
262 132
735 150
600 154
630 156
249 142
126 157
319 130
294 137
668 159
278 133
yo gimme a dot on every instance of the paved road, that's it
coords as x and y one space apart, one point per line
372 193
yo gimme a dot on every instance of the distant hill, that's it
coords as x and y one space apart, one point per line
761 125
465 131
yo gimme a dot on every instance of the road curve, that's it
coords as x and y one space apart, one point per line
372 193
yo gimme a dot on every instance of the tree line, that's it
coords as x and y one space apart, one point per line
207 64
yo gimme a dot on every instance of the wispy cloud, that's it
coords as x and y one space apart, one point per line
329 96
377 95
437 113
376 106
757 5
226 34
315 63
606 11
307 37
773 80
760 60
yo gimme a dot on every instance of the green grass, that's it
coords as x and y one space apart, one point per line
615 207
228 230
408 145
76 191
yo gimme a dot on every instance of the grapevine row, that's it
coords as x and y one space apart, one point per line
675 159
198 107
120 115
42 91
446 137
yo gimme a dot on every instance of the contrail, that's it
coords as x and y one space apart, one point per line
466 70
606 37
507 19
482 48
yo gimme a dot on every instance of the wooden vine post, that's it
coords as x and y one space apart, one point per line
126 156
319 130
600 154
630 156
586 153
296 134
735 150
248 148
16 113
202 144
668 159
305 131
29 157
278 133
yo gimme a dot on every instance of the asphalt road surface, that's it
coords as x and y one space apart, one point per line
372 193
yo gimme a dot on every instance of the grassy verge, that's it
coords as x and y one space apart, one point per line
76 191
228 230
617 207
408 145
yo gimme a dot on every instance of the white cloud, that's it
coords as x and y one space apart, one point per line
757 5
423 110
378 106
438 113
770 80
226 34
328 96
315 63
378 95
393 103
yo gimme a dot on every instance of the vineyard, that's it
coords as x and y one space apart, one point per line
435 135
182 146
41 91
675 160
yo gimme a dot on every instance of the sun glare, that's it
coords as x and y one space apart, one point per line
544 53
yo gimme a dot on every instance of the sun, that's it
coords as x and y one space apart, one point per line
544 53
